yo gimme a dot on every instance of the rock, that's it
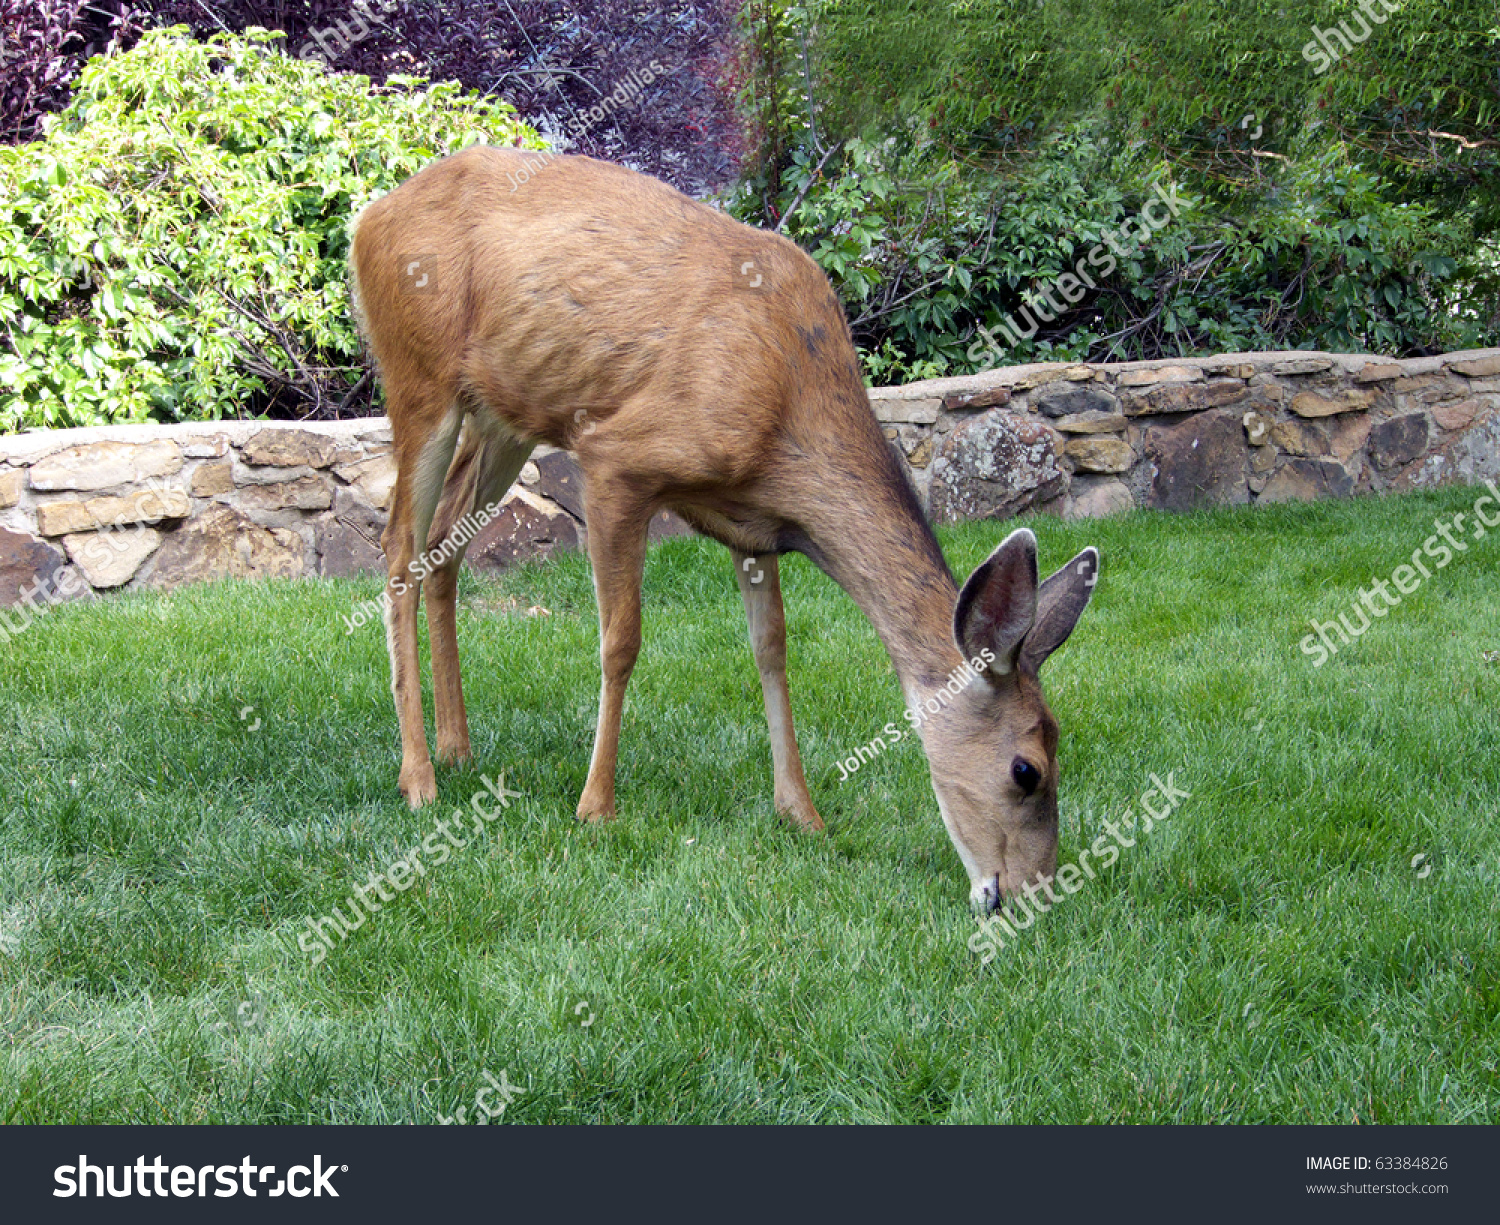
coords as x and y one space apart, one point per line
1349 435
1173 398
1479 367
560 479
525 528
10 489
1191 397
1399 440
212 479
1437 391
245 474
376 478
1379 372
1257 428
1090 423
289 448
1412 384
974 401
1073 399
1262 460
1302 480
1200 462
1219 393
1296 438
349 539
1040 375
1448 416
304 493
1099 500
907 412
1100 454
209 446
1231 370
1311 404
1162 374
1302 365
68 518
921 454
993 466
1080 374
1468 458
102 465
111 559
25 562
222 543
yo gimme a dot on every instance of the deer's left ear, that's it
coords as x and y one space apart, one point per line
997 606
1059 604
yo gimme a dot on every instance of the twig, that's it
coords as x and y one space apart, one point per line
364 381
214 17
886 310
806 187
812 105
549 72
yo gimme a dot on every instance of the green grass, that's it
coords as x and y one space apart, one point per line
1270 954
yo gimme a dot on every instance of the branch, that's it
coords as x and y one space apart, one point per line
806 187
886 310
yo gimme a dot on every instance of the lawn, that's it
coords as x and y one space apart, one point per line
1312 937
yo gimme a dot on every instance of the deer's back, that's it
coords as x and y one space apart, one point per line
559 284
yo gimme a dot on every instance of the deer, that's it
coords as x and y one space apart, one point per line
693 363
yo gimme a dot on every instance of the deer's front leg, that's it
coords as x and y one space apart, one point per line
617 523
760 587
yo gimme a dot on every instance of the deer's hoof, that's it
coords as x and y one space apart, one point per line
419 784
808 820
595 814
801 813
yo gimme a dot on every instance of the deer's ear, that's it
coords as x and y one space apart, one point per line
997 606
1059 604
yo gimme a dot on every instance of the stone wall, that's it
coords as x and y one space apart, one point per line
1086 439
156 506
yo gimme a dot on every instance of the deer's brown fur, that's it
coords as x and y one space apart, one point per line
693 363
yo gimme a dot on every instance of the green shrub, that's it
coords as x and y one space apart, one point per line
174 248
926 252
942 160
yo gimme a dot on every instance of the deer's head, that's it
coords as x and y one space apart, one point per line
992 745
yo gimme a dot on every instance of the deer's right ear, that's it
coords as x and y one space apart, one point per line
997 606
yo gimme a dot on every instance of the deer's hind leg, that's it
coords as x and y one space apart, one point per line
425 423
486 465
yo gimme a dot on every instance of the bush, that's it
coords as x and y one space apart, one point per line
552 59
43 43
175 248
925 253
943 161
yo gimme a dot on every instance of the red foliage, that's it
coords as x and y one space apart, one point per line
552 58
43 44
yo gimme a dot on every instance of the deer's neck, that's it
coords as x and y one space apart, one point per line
872 538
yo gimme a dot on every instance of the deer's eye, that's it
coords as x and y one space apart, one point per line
1027 776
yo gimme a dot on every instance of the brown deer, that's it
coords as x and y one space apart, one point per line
688 362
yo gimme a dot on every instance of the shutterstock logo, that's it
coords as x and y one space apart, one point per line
244 1179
